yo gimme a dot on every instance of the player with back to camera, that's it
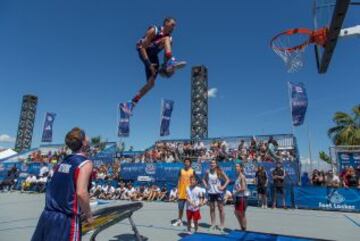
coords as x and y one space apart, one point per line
67 195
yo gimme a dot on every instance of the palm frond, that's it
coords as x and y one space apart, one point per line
342 118
356 110
334 130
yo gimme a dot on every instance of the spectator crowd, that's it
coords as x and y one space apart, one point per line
108 184
349 177
220 150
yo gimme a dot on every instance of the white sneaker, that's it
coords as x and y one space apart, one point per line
212 228
192 225
177 223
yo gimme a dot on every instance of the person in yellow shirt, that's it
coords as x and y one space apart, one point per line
183 183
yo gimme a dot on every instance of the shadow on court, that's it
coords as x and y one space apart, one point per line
127 237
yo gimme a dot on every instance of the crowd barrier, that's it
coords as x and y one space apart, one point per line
166 174
169 171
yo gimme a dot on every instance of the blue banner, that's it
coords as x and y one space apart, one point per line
342 199
31 168
298 102
292 173
348 159
124 126
167 107
106 156
170 171
48 127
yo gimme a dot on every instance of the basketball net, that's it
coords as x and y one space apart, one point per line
290 45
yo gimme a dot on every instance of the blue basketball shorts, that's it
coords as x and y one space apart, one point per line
57 226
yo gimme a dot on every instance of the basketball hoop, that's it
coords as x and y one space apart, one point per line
291 44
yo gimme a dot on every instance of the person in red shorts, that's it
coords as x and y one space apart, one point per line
240 193
194 200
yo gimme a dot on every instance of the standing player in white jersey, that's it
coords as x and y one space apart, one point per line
216 181
194 200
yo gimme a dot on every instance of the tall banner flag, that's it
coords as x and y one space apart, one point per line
48 127
298 102
166 110
124 127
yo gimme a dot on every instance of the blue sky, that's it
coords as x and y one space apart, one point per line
79 57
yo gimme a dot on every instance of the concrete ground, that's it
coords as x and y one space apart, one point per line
19 213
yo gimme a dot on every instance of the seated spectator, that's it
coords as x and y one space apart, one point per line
95 191
173 195
104 192
163 194
253 149
120 191
228 197
262 151
169 157
139 194
202 157
332 180
41 183
44 170
272 150
29 182
154 193
180 150
188 149
146 193
129 193
101 174
241 146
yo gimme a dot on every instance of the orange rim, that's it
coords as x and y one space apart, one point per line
319 37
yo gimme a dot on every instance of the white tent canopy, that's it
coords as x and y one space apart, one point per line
7 153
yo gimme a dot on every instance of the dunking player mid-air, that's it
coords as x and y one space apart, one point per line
156 39
67 194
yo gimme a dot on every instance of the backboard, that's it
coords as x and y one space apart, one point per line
330 14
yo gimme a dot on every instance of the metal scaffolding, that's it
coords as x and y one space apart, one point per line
26 123
199 103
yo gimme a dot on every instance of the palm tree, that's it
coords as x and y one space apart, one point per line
347 129
97 141
325 157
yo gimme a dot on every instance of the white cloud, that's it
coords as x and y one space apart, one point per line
212 92
7 138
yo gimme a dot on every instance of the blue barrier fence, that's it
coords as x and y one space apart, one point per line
340 199
166 174
169 171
